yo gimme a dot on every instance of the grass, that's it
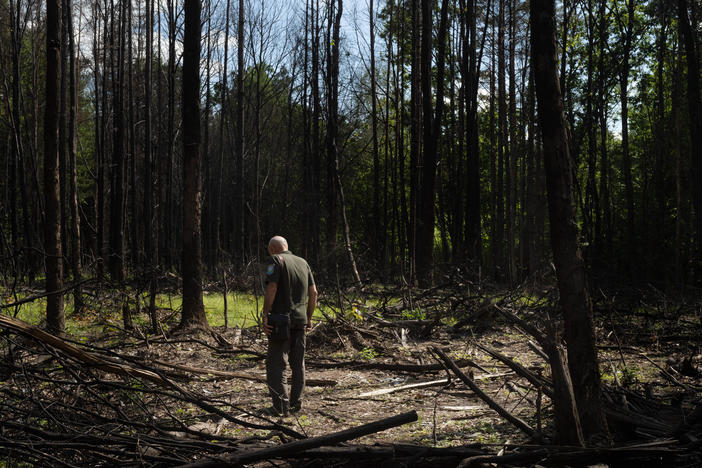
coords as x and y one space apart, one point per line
242 310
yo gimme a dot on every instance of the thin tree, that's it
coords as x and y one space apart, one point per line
72 166
240 226
628 33
377 240
55 317
332 132
193 313
570 268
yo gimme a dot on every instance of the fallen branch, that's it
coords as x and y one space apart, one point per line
535 380
47 338
516 421
44 294
297 446
414 386
393 367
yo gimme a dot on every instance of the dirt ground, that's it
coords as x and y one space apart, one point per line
450 414
360 368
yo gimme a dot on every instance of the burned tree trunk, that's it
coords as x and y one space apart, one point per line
55 318
193 308
570 269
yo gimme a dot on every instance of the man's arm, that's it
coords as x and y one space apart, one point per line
268 297
311 304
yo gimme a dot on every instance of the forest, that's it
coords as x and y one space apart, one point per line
499 191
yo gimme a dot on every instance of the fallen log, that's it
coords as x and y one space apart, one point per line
662 452
76 353
239 375
516 421
359 452
285 450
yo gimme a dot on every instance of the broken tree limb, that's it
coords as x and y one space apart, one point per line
526 327
535 380
540 352
391 366
516 421
414 386
44 294
240 375
76 353
389 452
281 451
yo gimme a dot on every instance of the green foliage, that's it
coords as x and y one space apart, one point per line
414 314
368 354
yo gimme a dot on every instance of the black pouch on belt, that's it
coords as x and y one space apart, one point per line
281 326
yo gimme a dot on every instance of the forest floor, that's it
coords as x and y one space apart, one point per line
361 366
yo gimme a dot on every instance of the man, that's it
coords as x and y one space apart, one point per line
290 290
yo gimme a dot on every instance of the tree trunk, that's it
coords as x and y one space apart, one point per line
116 258
570 269
168 221
415 134
376 233
150 239
631 239
695 110
240 223
432 127
501 144
222 115
193 313
511 157
55 318
72 166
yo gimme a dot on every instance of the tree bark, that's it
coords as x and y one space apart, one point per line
116 257
240 223
432 127
55 318
72 165
631 239
570 268
694 105
193 313
377 223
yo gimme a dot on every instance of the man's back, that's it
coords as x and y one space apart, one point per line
293 277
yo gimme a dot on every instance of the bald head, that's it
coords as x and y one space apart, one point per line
277 244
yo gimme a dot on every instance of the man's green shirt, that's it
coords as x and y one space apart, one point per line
293 277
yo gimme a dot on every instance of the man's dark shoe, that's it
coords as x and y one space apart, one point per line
271 412
295 407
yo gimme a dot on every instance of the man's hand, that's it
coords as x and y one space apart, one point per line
267 329
308 327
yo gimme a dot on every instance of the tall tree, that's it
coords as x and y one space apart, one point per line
240 222
694 105
377 240
72 164
193 313
628 35
570 269
116 258
55 317
432 127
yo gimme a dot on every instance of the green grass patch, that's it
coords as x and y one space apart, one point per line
242 310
